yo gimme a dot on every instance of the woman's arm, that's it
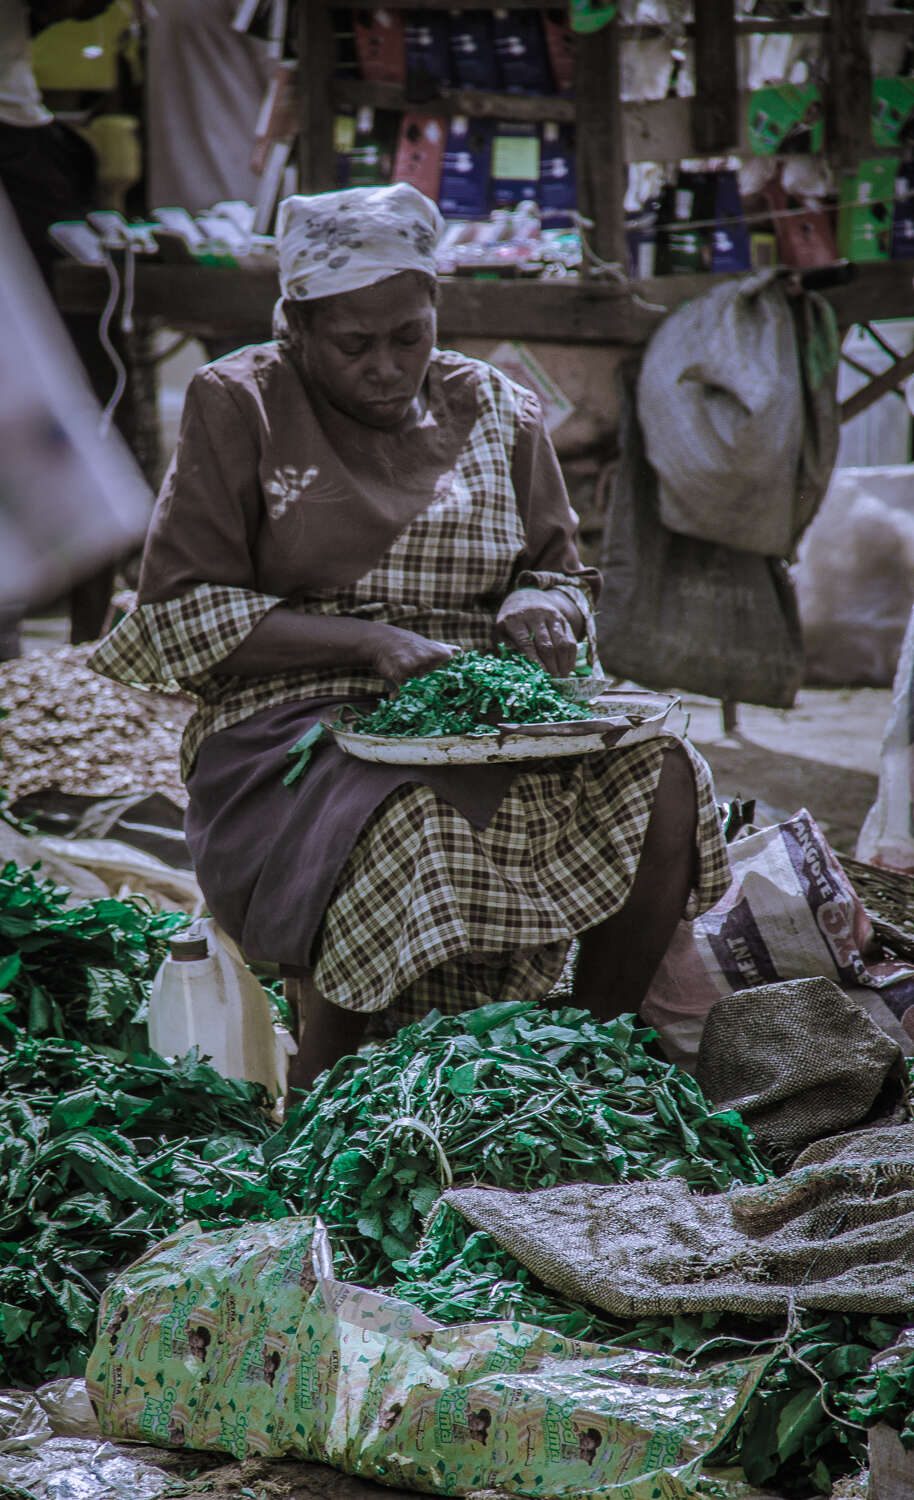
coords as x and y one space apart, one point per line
544 615
286 639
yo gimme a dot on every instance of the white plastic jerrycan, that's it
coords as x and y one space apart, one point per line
204 995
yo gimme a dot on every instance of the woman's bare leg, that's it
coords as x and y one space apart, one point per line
324 1032
619 957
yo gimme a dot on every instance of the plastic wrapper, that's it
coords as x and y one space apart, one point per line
50 1449
242 1341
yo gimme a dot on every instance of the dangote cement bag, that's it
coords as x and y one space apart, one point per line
242 1341
790 913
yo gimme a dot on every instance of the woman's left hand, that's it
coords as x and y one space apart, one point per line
533 622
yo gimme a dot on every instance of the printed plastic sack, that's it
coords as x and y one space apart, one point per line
790 913
241 1340
679 612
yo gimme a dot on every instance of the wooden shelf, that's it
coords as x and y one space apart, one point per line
477 103
215 302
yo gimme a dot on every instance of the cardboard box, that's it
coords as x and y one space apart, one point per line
428 54
365 147
380 45
465 174
515 164
520 52
557 185
472 43
903 217
560 45
729 237
893 111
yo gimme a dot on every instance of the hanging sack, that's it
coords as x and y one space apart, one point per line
737 402
678 612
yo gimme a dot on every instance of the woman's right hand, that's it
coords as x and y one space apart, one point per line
397 655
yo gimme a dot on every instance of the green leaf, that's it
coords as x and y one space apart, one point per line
371 1226
9 969
73 1110
15 1322
798 1418
424 1196
111 995
79 1308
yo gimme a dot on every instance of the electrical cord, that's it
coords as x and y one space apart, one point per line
104 335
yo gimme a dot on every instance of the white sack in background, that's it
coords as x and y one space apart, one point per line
854 577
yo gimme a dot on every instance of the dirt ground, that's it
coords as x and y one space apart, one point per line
822 754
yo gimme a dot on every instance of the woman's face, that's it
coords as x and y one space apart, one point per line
367 351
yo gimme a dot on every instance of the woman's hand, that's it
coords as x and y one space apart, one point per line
396 654
536 623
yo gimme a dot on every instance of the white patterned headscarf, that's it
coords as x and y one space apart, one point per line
338 242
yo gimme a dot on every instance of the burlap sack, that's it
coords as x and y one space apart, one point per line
836 1232
798 1060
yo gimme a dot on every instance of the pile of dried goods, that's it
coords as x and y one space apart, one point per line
68 727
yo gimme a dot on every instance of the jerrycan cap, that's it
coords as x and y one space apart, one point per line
190 943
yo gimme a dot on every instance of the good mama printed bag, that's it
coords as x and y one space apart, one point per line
242 1341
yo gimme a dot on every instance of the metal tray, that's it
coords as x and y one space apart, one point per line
620 719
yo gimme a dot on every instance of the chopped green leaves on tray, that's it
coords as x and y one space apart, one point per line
471 695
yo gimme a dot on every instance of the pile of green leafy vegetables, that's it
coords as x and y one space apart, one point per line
511 1095
80 971
471 694
104 1149
100 1156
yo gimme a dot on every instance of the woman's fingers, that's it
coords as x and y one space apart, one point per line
543 636
401 654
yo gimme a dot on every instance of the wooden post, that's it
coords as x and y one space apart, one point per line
598 133
849 105
715 123
316 62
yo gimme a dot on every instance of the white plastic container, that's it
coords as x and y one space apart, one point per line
205 996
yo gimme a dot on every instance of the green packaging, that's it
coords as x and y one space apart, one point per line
865 211
242 1341
785 118
893 111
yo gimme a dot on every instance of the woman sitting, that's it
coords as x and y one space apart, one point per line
347 507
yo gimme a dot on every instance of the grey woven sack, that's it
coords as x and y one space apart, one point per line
835 1233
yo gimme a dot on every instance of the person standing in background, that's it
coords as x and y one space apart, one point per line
48 170
205 84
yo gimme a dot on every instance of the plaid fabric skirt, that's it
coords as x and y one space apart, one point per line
429 911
